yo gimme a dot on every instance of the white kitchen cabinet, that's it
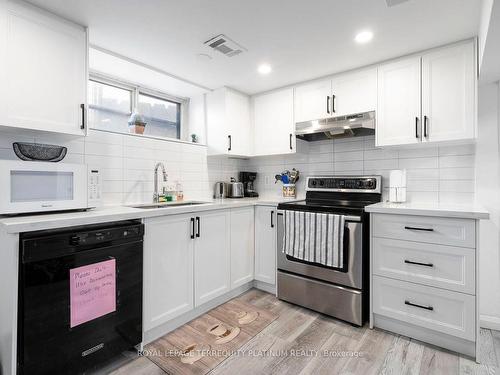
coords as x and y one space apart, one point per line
242 246
398 109
313 101
43 70
212 262
429 97
344 94
354 92
449 93
168 269
274 126
265 244
228 123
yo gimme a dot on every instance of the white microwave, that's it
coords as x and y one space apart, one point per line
30 186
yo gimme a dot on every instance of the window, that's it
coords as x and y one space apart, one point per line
163 117
111 104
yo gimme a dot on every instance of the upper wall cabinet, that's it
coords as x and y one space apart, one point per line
228 123
449 93
43 70
428 98
313 101
345 94
274 128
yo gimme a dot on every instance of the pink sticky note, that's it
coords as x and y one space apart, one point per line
92 291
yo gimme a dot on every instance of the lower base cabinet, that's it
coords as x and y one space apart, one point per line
265 244
212 265
168 269
190 259
242 246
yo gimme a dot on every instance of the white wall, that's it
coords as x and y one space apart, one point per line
488 195
127 163
435 174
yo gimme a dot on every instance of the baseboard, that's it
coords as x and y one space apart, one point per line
426 335
269 288
490 322
169 326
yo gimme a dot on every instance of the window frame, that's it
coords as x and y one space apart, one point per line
137 89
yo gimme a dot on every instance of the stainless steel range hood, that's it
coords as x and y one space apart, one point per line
359 124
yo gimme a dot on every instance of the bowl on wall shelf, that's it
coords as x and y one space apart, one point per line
39 152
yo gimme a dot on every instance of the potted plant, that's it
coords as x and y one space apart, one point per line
136 123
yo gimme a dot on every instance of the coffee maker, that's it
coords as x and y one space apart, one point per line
248 179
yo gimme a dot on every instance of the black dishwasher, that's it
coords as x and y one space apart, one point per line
80 296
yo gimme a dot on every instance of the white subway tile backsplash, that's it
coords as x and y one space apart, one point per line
418 163
458 161
457 173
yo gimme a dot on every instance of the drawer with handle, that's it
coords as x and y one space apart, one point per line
440 310
438 230
447 267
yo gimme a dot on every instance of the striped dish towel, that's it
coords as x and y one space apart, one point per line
314 237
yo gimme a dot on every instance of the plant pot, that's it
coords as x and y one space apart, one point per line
136 128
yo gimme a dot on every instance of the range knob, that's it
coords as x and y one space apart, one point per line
321 183
370 184
313 182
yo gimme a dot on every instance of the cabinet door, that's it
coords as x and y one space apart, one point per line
265 244
168 269
238 123
242 246
274 128
398 107
212 265
43 70
449 93
313 101
355 92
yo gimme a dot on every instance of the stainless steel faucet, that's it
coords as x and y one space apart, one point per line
156 195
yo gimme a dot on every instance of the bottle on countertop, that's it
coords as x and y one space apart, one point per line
179 191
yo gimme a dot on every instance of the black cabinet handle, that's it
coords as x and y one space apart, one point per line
291 147
419 263
333 103
82 107
192 228
198 224
416 127
328 104
422 229
425 126
229 139
430 308
272 217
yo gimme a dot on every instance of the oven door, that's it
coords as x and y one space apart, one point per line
351 276
41 186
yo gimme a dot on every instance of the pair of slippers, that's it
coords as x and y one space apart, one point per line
223 335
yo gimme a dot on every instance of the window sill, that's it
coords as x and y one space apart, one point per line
150 137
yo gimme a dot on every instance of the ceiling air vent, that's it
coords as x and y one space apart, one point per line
225 45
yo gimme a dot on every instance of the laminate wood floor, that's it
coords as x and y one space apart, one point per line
301 341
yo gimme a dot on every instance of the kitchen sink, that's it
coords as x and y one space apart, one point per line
167 205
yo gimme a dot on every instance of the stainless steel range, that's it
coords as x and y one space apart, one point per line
339 292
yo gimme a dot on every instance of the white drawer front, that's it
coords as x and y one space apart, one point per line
440 310
438 230
445 267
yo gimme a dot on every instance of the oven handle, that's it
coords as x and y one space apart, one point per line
351 218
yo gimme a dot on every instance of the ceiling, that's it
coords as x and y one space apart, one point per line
300 39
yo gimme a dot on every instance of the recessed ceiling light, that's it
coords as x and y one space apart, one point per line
364 36
264 69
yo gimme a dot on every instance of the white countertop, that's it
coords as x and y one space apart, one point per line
28 223
465 211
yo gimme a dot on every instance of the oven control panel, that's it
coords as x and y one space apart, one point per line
358 184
